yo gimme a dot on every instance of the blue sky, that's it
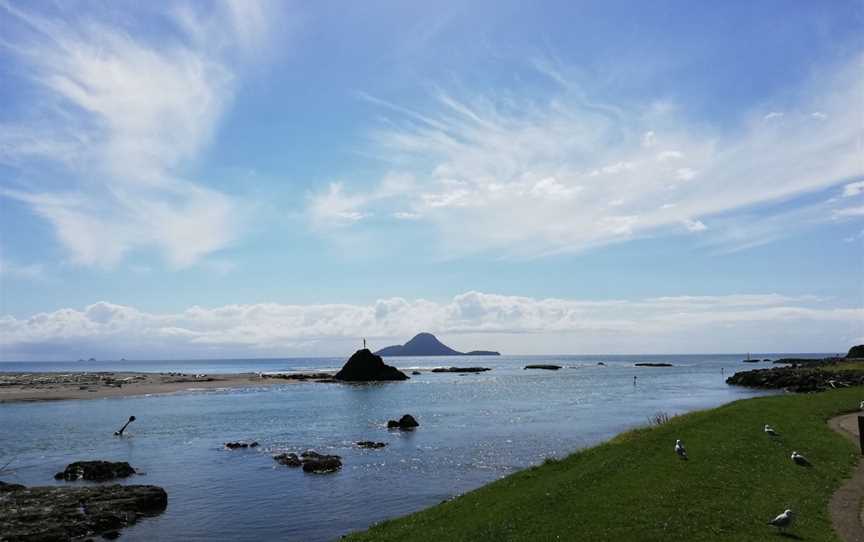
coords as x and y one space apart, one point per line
272 178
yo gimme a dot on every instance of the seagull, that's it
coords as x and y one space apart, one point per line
783 520
770 430
861 405
679 449
800 459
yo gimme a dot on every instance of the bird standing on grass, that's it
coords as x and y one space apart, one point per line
861 405
679 449
784 520
800 459
770 430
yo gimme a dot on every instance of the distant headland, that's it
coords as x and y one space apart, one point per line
426 344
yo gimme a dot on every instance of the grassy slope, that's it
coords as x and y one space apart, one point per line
635 488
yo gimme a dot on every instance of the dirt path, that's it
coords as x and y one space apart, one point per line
845 507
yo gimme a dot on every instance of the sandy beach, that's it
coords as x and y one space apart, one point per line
21 387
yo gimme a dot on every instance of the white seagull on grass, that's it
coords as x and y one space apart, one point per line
770 430
800 459
861 405
679 449
783 520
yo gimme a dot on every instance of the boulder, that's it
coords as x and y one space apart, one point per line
547 367
96 471
364 366
74 513
405 422
311 461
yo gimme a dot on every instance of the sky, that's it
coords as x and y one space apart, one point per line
240 178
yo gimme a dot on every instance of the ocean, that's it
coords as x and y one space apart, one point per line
474 429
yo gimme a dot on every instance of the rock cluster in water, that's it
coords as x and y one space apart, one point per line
460 369
371 444
799 379
651 364
542 366
236 445
364 366
95 471
73 513
311 461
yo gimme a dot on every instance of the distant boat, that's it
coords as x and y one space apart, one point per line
748 360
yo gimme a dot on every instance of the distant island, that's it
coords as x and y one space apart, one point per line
426 344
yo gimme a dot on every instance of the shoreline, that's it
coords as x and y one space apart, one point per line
25 387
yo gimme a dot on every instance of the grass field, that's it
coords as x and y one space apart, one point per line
634 487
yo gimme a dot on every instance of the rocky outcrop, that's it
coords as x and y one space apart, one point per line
647 364
303 377
856 352
799 379
95 471
236 445
371 444
311 461
546 367
364 366
405 422
73 513
460 369
426 344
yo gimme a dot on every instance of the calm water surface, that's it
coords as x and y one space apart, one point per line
473 429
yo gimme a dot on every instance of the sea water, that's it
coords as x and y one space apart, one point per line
474 429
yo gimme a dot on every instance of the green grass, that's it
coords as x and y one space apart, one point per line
634 487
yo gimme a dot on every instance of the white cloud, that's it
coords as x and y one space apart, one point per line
773 115
853 189
679 323
120 114
819 115
849 212
480 161
669 155
405 215
694 225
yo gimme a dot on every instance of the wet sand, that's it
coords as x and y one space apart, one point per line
21 387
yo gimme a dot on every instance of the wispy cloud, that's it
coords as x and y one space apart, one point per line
677 322
530 176
120 113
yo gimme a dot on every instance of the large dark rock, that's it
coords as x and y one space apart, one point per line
371 444
856 351
799 379
543 366
405 422
73 513
96 471
311 461
426 344
652 364
364 366
236 445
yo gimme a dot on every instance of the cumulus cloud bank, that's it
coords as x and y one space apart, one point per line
469 320
118 114
530 176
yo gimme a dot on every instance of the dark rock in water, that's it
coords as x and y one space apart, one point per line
856 351
646 364
364 366
807 361
405 422
235 445
73 513
96 471
748 360
601 363
546 367
798 379
290 460
426 344
370 444
415 372
460 369
311 461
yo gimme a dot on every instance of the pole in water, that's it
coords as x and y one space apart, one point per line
634 380
364 343
120 432
722 370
